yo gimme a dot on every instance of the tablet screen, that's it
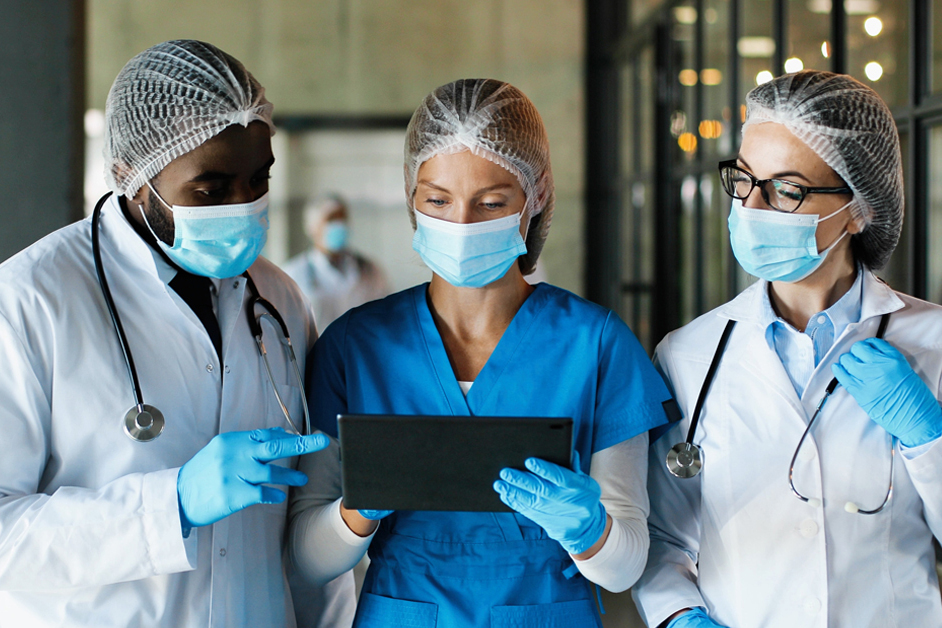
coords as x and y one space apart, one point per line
395 462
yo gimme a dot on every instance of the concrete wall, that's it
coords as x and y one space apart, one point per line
373 57
42 98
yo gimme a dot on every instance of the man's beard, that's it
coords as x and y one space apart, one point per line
159 219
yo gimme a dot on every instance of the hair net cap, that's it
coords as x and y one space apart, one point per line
496 121
850 127
170 99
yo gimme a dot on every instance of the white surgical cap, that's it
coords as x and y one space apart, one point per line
167 101
496 121
850 127
320 208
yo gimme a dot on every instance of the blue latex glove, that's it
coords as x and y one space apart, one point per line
694 618
228 474
886 387
564 503
374 515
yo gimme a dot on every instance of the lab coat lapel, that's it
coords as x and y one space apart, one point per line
505 353
756 355
437 355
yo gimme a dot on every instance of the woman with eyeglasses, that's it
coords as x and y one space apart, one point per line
804 484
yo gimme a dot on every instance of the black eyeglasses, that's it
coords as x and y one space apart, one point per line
784 196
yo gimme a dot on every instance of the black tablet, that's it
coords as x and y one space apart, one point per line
441 462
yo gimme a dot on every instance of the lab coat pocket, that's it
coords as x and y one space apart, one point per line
576 614
376 610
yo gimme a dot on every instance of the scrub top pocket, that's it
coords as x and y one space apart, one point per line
376 610
576 614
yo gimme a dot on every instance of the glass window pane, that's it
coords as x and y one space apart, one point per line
629 146
642 9
934 289
936 74
878 47
688 261
756 47
686 76
897 272
715 240
646 101
809 29
715 129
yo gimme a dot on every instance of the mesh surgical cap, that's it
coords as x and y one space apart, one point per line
167 101
850 127
496 121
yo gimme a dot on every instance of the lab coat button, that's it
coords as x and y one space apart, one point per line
227 368
222 551
812 605
821 320
808 528
209 368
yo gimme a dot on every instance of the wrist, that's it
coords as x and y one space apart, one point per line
599 544
358 524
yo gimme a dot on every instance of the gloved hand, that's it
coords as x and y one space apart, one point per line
564 503
227 475
886 387
694 618
374 515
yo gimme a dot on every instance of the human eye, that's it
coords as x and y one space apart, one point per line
788 191
436 202
494 205
261 178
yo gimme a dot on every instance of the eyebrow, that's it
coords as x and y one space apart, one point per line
215 175
787 173
491 188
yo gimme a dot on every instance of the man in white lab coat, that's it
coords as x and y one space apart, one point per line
334 277
182 525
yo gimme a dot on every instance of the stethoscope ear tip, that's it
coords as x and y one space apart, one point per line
852 508
814 502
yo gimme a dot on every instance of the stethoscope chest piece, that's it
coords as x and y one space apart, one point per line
683 460
143 423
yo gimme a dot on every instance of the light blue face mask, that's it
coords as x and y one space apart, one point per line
468 255
216 240
336 234
776 246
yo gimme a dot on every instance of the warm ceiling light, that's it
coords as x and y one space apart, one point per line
794 64
825 49
687 142
873 25
873 70
755 47
711 76
687 77
763 77
685 15
711 129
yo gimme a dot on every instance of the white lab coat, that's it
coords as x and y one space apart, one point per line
333 291
89 522
736 541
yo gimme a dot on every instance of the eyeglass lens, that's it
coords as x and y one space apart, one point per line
781 195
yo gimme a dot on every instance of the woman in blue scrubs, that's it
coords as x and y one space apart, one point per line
479 340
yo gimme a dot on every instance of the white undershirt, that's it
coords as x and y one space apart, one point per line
465 387
322 546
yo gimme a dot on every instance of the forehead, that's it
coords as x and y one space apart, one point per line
237 150
769 149
464 167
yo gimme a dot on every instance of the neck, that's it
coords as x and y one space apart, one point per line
472 313
798 302
334 257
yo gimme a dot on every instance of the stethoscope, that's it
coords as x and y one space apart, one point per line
684 459
144 422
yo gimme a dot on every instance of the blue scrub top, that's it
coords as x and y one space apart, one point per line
561 356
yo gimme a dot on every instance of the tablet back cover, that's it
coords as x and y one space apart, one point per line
441 463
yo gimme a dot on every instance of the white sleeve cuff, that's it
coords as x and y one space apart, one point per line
163 534
621 559
343 531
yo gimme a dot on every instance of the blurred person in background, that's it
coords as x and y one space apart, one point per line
334 277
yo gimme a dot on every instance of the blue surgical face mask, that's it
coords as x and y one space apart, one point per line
468 255
336 234
776 246
216 240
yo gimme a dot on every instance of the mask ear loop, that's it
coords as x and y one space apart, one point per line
841 237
